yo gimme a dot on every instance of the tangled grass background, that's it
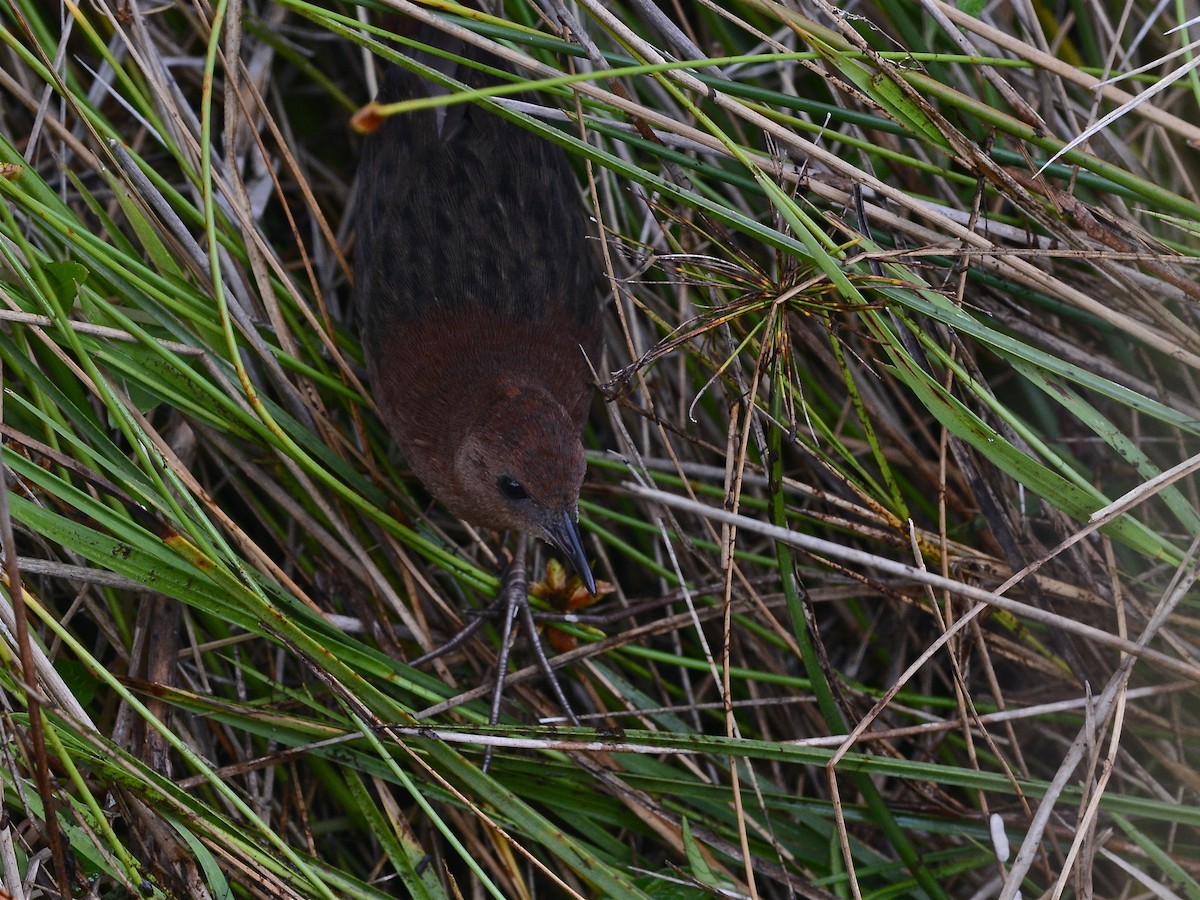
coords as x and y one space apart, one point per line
892 482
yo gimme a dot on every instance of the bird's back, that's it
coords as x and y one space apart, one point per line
461 210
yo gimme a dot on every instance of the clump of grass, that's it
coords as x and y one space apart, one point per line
893 481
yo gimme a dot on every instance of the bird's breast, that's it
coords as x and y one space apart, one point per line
434 376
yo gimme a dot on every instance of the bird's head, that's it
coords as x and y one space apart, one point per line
521 465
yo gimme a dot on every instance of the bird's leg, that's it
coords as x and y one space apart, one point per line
514 594
539 653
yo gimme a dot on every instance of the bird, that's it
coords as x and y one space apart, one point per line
476 290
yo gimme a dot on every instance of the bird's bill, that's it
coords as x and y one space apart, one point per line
564 535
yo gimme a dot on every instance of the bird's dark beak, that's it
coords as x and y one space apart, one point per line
564 535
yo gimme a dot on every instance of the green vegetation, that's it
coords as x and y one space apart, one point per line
892 481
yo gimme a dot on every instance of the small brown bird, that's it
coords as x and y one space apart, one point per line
476 287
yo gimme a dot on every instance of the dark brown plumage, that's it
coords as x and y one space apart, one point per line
476 288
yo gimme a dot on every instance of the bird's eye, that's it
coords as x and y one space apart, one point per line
510 488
